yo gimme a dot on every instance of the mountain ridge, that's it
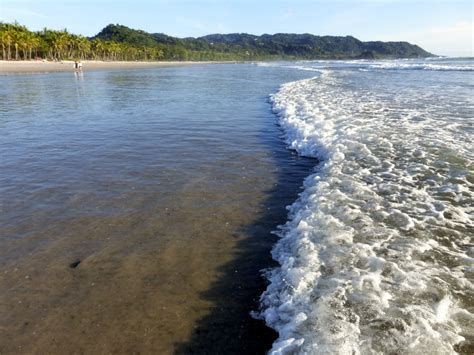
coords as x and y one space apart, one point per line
268 46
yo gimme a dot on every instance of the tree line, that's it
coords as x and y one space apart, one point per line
19 43
117 42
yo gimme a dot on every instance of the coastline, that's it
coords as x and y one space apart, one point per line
35 66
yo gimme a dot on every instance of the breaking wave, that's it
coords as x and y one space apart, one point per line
377 253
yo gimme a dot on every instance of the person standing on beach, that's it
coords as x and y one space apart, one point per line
76 65
79 66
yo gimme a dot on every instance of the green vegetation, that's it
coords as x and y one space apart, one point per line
116 42
18 43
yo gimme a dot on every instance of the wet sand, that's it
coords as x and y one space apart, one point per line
176 279
32 66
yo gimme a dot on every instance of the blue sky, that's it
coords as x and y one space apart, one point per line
441 26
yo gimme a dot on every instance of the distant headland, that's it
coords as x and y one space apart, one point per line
120 43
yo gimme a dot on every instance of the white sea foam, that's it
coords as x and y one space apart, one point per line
420 66
375 255
365 65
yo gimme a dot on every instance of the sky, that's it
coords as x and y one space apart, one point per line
443 27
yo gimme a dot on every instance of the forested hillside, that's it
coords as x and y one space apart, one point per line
116 42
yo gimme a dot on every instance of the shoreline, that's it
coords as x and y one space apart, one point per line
35 66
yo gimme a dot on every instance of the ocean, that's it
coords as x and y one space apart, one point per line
376 257
138 209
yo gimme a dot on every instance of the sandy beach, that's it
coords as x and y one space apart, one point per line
33 66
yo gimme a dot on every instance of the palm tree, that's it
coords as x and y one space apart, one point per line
60 41
97 48
30 41
83 46
16 40
6 40
34 44
48 40
7 35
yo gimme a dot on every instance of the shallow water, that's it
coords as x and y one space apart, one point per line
136 208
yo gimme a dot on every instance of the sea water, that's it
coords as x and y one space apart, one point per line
377 254
136 208
164 184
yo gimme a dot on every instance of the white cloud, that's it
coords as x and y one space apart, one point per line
454 40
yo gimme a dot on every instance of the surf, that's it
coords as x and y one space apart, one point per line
376 252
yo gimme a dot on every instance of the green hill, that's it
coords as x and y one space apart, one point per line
277 46
116 42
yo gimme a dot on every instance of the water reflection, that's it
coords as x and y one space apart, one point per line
150 178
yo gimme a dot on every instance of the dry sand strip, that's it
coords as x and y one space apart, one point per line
10 67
